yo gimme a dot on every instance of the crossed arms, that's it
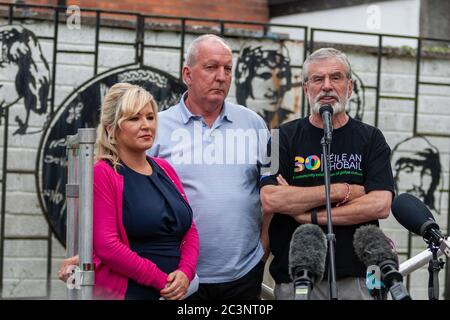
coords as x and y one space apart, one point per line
298 201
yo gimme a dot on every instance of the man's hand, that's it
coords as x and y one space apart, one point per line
265 236
176 287
356 191
267 217
66 267
281 181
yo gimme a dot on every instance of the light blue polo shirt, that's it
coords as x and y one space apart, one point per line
219 169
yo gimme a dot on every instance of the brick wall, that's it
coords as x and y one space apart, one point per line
249 10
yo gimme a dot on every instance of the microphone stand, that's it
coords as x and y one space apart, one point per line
434 266
331 238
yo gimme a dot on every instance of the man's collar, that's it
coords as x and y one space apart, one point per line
225 113
186 114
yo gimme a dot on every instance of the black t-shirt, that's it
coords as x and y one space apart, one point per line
359 155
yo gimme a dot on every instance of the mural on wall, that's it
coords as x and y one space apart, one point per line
417 170
22 63
263 79
357 102
82 110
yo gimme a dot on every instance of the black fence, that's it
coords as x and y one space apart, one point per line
16 14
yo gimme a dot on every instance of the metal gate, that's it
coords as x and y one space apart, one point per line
19 14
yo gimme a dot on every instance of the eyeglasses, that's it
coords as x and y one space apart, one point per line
335 78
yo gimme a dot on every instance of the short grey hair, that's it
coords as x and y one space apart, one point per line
192 51
326 53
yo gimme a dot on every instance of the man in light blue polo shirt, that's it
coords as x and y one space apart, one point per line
216 147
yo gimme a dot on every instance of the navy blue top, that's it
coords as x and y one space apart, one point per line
156 218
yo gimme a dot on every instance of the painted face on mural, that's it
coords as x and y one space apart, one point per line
262 79
9 70
8 95
356 104
416 179
209 79
328 84
267 85
24 73
417 169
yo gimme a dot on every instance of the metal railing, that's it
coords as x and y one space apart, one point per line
140 24
79 194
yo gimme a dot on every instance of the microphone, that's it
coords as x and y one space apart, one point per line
373 249
414 215
307 254
326 112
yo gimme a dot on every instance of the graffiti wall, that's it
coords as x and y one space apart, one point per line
267 79
81 110
26 72
267 82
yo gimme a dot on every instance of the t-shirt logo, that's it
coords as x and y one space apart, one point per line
340 164
310 163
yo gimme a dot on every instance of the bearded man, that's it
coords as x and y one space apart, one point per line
362 185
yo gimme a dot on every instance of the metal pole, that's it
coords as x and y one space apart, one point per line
97 40
72 193
3 197
86 175
331 238
49 264
416 92
418 261
183 34
377 92
55 55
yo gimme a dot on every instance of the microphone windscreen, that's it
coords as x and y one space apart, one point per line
411 212
326 107
372 246
308 251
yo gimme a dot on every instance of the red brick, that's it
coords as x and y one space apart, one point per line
242 10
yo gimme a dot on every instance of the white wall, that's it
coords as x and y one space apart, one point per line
399 17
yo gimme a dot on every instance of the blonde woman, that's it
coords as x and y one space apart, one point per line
145 241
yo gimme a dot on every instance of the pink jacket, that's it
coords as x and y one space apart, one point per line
114 261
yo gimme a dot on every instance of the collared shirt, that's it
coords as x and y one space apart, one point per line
219 168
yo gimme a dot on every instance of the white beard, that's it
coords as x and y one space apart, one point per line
338 107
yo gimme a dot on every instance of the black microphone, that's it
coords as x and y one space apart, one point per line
326 112
307 254
373 249
414 215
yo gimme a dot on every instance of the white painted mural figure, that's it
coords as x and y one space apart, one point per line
23 63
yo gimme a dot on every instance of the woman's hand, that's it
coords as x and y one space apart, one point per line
67 266
176 287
